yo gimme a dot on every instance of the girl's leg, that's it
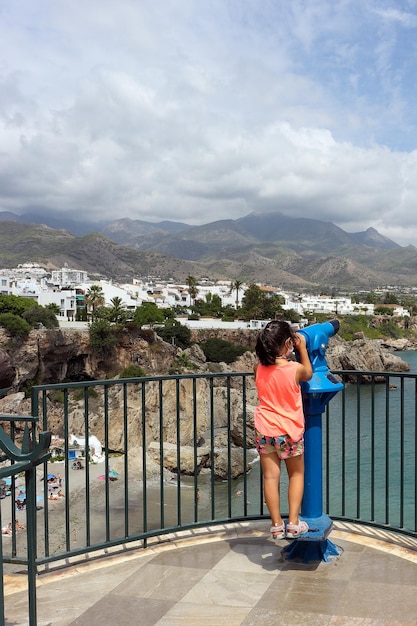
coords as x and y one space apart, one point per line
295 469
271 468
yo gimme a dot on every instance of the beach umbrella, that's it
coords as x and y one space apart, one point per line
21 497
8 481
51 476
113 474
101 477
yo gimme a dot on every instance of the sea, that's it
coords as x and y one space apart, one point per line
354 463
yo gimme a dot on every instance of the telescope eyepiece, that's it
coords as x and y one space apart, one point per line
335 324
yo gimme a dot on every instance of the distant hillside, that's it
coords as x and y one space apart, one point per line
20 243
268 248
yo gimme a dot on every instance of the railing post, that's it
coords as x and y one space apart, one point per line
1 578
30 481
26 459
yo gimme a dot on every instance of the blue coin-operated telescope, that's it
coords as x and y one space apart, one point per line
317 393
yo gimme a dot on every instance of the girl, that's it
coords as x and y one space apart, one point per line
279 421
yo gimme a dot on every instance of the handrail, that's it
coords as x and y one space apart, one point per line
24 459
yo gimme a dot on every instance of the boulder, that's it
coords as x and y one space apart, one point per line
187 463
362 355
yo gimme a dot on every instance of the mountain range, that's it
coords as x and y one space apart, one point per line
268 248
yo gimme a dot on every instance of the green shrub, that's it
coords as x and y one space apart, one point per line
176 333
56 396
15 304
41 316
79 393
352 324
219 350
133 371
15 325
181 362
390 329
28 384
102 338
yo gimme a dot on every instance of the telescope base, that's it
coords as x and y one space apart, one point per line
314 545
308 551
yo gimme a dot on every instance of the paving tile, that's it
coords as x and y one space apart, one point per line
164 582
126 611
308 594
338 620
203 615
52 608
284 617
379 601
384 567
242 589
205 555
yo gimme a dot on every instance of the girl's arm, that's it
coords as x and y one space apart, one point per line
304 370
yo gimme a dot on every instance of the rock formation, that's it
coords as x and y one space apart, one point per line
362 354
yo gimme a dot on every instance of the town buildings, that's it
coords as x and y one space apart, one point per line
67 288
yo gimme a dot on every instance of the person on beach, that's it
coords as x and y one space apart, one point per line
279 421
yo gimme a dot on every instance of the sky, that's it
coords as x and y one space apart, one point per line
203 110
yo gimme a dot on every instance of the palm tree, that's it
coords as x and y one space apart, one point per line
235 286
117 310
94 299
191 283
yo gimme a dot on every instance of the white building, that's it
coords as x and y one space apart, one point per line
67 276
325 304
111 291
6 285
44 294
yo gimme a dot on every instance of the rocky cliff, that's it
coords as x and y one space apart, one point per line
55 356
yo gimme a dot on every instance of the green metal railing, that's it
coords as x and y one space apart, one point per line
23 460
370 449
200 426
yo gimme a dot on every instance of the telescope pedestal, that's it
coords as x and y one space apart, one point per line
314 545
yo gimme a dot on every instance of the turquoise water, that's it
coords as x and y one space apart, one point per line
383 475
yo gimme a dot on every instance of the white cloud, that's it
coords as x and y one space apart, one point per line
195 112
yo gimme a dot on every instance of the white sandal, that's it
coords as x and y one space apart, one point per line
278 531
296 530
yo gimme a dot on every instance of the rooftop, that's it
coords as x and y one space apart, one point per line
232 575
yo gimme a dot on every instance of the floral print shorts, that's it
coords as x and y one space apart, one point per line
284 446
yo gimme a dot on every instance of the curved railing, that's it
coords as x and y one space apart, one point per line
200 426
370 451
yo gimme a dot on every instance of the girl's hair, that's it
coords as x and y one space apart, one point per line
271 339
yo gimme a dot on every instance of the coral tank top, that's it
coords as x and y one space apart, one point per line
280 408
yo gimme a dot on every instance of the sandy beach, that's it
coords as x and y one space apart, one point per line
123 515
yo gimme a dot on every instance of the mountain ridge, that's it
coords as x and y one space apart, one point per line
268 248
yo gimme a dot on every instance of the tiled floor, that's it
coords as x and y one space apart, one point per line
234 576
